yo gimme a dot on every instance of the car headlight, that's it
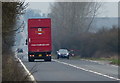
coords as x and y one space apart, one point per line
59 53
67 53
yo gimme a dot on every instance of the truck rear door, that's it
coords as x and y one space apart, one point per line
39 35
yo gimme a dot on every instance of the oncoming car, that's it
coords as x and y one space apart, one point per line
20 50
63 53
20 53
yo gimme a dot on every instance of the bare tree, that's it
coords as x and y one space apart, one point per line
71 19
10 14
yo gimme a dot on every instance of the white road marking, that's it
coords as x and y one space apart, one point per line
28 72
86 70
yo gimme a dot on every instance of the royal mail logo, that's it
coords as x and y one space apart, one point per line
39 31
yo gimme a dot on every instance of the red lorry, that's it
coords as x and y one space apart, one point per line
39 39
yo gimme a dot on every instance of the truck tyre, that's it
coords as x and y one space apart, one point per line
68 57
57 57
31 59
47 59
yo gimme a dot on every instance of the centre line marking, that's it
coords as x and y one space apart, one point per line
86 70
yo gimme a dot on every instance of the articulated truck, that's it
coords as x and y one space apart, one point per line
39 39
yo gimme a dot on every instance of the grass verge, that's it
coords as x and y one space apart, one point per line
114 61
12 71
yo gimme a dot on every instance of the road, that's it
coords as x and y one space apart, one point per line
71 70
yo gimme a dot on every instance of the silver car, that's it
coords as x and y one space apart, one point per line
63 53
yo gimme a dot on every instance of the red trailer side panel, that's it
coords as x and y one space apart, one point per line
39 35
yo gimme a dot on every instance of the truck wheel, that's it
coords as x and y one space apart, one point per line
57 57
31 59
68 57
47 59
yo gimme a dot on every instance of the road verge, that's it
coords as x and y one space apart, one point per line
27 72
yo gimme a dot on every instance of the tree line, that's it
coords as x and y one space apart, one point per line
71 27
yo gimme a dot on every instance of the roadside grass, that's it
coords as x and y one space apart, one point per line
12 71
115 61
112 60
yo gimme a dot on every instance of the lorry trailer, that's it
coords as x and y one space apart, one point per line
39 39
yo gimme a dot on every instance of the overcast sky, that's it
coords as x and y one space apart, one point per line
108 9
